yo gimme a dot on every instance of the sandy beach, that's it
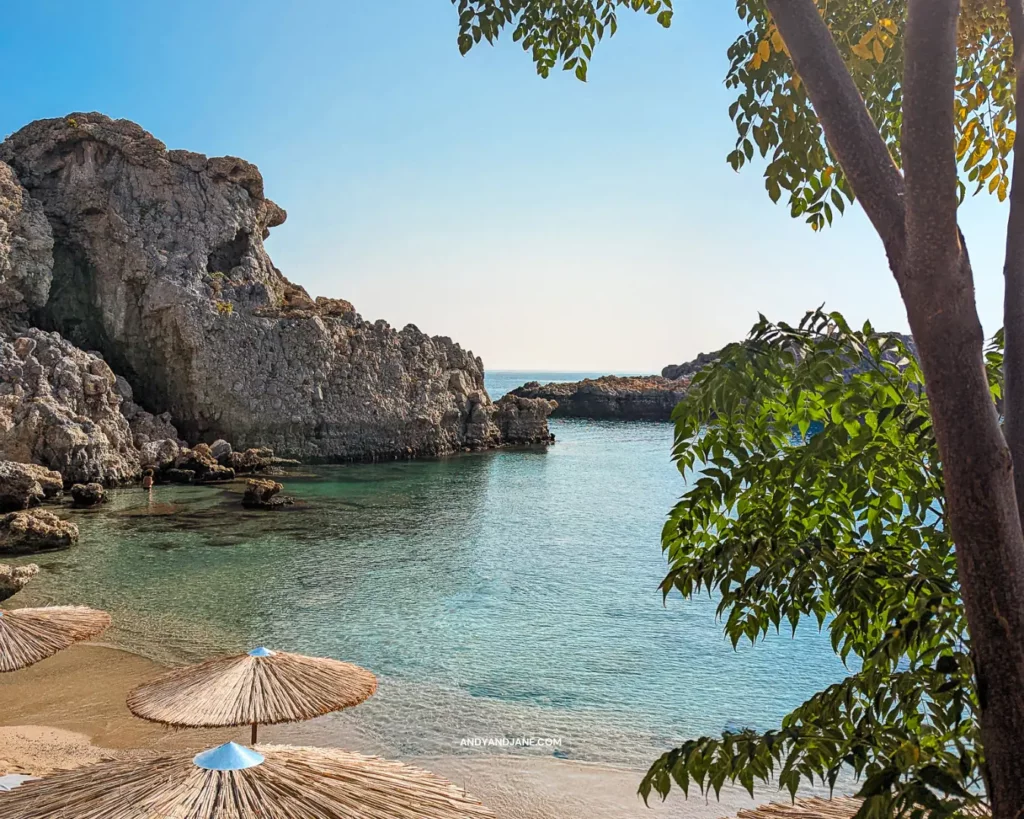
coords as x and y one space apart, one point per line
70 710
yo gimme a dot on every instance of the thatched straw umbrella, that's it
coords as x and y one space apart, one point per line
233 782
30 635
842 807
262 687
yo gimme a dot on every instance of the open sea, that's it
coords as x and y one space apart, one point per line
505 594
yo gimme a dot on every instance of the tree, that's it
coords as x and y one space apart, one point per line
898 104
817 493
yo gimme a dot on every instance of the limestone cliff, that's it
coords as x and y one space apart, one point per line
158 264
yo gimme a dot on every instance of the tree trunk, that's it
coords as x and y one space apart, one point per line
981 500
1013 275
916 218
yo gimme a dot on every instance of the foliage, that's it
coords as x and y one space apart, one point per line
555 32
772 112
817 495
224 308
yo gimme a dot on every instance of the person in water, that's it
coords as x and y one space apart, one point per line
147 479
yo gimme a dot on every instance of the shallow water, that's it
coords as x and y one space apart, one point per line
505 594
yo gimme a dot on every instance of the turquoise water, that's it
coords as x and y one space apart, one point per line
511 593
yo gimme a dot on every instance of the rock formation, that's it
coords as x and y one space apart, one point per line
641 398
35 530
25 485
263 494
689 369
26 247
88 494
58 408
14 578
158 263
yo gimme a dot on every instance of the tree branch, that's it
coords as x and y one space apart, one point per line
849 129
1013 275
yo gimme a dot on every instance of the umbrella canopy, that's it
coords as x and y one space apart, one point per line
233 782
841 807
30 635
262 687
812 808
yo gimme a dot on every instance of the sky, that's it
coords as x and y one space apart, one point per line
544 224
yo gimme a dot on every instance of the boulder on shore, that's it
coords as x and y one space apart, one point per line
25 485
158 455
263 494
220 449
252 460
14 578
88 494
200 461
35 530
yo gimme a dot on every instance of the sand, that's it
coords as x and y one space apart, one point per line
70 710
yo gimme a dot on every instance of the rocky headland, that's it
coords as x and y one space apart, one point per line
613 397
144 326
640 398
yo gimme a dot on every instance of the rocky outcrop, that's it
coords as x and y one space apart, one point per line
88 494
203 466
35 530
26 247
158 263
645 398
14 578
25 485
689 369
58 407
264 494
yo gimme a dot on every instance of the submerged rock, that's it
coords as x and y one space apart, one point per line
158 261
217 473
263 494
35 530
14 578
25 485
88 494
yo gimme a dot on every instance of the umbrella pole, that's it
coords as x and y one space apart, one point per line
254 733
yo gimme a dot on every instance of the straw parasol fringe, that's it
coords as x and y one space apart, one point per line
250 690
292 783
842 807
30 635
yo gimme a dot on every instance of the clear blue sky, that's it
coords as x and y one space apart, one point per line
543 224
